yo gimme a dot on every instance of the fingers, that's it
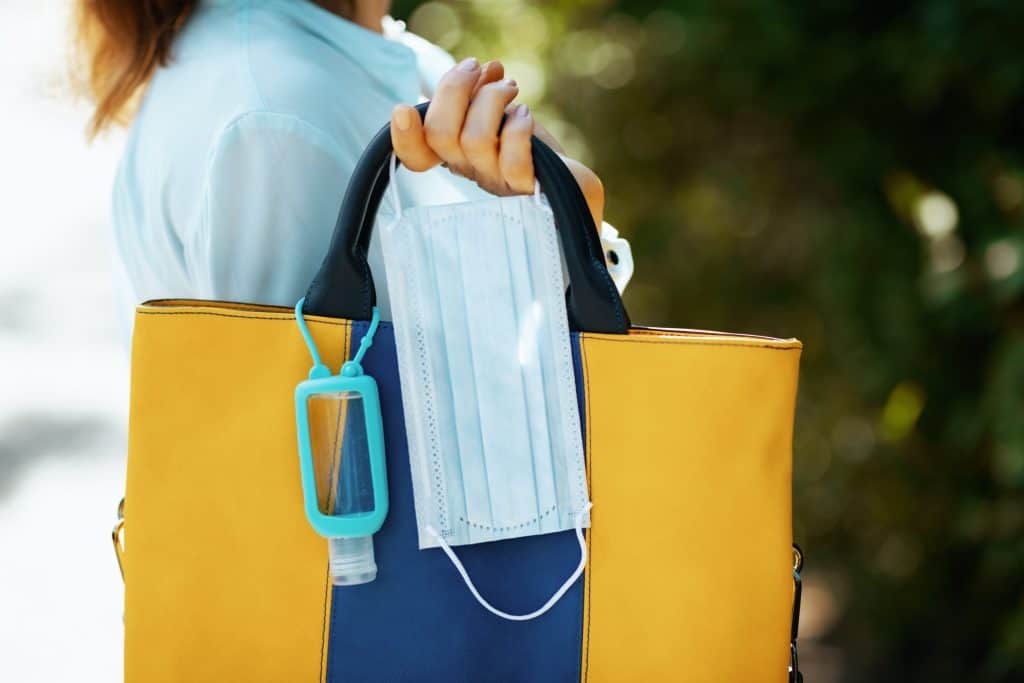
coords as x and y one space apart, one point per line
447 112
490 72
462 129
408 135
479 138
515 161
409 140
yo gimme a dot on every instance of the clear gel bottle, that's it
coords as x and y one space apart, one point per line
341 452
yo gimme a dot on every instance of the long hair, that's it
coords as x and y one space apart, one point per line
120 43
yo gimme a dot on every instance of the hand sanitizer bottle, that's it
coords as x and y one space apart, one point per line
341 458
344 449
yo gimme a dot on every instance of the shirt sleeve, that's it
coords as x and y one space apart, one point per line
271 197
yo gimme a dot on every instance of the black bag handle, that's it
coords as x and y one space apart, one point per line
343 287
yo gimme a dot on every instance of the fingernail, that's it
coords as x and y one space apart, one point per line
468 64
403 119
511 82
522 111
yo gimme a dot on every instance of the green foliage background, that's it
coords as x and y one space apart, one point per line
851 174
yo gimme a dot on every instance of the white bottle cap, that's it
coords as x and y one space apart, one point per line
351 560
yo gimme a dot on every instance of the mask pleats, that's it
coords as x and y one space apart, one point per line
506 455
488 388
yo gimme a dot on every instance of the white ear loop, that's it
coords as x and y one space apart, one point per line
396 202
536 193
581 518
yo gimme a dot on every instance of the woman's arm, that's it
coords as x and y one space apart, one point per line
461 131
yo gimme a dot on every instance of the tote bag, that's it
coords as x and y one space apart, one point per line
688 449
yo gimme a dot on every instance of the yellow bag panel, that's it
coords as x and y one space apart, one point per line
225 579
689 450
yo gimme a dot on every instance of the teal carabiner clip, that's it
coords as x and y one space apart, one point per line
341 458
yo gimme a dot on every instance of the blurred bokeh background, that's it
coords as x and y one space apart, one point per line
848 173
63 367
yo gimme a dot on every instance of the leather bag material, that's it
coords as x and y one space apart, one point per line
689 454
689 578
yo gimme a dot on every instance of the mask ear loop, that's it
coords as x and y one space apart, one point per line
396 202
536 195
581 518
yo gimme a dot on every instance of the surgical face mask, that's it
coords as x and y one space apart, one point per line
478 302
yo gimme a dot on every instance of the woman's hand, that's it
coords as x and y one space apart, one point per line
461 132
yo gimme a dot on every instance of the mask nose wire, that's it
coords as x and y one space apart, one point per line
581 518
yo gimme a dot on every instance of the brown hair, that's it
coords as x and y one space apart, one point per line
120 43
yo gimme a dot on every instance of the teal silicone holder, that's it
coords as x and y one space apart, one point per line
350 379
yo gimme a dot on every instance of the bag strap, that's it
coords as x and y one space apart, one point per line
343 287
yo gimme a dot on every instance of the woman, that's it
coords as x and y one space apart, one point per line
251 118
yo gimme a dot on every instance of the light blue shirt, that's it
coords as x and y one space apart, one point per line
237 161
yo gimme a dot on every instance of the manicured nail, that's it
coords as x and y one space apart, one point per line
468 64
522 111
403 118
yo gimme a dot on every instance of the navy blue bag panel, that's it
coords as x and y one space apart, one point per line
417 621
